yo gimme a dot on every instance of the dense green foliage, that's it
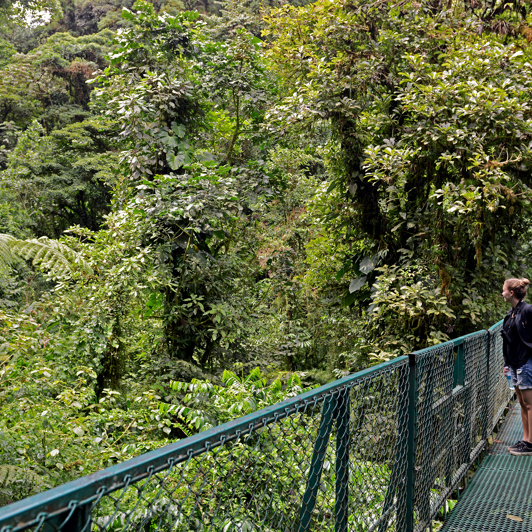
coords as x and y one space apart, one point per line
207 208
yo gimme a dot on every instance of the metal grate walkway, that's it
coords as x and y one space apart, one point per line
499 498
511 431
379 450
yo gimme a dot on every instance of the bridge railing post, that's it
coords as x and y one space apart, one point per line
387 444
487 390
343 424
316 466
411 443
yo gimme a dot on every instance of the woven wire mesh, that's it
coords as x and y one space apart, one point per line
433 460
451 401
378 452
475 397
255 480
500 393
333 462
337 458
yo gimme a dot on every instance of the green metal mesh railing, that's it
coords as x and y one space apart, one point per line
379 450
451 418
498 385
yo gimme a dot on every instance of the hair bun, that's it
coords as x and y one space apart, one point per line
517 286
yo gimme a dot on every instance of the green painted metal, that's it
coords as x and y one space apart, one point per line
496 325
425 418
77 520
485 408
510 432
466 439
498 499
458 375
343 426
411 445
316 467
88 489
397 486
378 450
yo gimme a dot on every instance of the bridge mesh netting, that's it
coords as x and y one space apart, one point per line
379 450
281 471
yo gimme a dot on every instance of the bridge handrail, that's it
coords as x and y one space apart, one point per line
86 488
385 420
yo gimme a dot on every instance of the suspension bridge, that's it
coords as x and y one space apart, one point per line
409 445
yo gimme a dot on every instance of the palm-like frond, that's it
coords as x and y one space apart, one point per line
10 474
6 256
46 254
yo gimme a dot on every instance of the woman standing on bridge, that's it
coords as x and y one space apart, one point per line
517 350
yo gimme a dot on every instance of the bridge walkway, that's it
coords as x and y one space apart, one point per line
380 450
499 498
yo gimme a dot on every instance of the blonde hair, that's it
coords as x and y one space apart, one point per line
517 286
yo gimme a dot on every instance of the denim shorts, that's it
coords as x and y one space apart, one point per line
522 377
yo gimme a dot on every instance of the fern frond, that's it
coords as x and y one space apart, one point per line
10 474
46 254
6 256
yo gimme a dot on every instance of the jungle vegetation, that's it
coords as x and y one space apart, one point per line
262 196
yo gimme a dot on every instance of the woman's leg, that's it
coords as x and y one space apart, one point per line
524 412
525 399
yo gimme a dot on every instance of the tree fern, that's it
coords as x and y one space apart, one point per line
46 254
6 256
9 474
17 483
